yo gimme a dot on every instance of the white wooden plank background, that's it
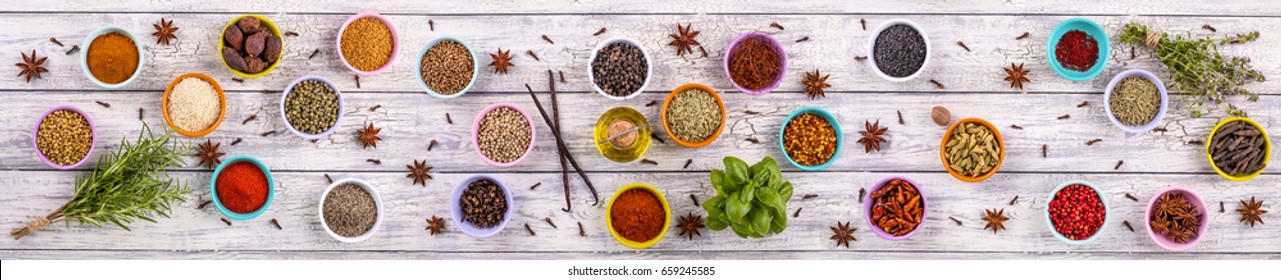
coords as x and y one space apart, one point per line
411 119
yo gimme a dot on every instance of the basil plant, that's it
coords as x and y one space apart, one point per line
750 199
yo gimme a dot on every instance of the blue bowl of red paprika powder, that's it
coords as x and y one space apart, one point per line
213 188
1093 30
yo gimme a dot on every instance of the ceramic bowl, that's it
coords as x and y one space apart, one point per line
284 96
378 204
948 136
222 111
36 146
1090 28
649 70
213 188
275 31
668 129
1267 149
667 216
836 125
867 208
871 49
1102 198
1165 242
601 132
395 43
418 69
88 43
1160 113
455 208
782 56
475 133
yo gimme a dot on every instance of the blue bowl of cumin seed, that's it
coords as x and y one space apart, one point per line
422 54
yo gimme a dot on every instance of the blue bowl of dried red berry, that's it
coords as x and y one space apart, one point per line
1078 49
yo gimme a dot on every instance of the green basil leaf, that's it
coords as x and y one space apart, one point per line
747 194
742 229
776 175
785 192
780 222
715 206
716 222
760 167
735 208
736 171
760 218
718 179
770 198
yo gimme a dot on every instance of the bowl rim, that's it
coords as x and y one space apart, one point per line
285 95
475 133
831 119
378 204
1105 49
222 98
667 219
271 26
782 55
649 66
395 43
867 208
1267 151
1107 212
668 129
644 139
88 43
1196 201
948 136
1144 74
455 209
422 53
35 132
213 188
871 49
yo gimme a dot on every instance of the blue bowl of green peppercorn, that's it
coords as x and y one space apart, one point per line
831 120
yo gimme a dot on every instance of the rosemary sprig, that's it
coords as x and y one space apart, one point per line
127 185
1196 67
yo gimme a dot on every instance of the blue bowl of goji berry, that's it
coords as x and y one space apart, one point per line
1076 199
1078 49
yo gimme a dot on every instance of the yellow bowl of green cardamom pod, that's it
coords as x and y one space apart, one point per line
975 164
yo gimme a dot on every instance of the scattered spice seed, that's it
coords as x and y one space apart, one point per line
331 180
250 118
1196 142
861 57
651 103
809 196
1083 104
900 118
224 220
273 220
1045 150
74 49
313 54
432 145
753 140
648 161
598 33
140 114
562 76
1131 197
1015 126
1127 225
431 25
449 119
238 80
687 162
549 219
1092 142
269 133
1206 27
655 137
798 213
962 44
203 204
55 40
695 199
531 230
374 160
548 39
295 34
958 222
803 39
1015 200
864 23
861 192
1118 165
104 104
375 108
237 141
937 83
531 54
357 80
580 224
535 186
1024 36
1065 116
776 25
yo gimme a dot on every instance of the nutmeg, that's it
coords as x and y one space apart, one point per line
234 38
249 25
233 59
272 49
254 65
941 116
255 43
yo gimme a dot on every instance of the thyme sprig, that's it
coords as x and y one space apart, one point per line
1196 67
127 185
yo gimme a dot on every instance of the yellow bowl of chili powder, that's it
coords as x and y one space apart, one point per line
634 213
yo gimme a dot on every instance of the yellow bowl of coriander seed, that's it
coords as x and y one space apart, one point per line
633 141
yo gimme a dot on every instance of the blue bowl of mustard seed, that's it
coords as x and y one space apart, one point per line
835 126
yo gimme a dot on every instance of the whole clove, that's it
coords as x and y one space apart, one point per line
1015 200
562 76
291 34
224 220
1065 116
962 44
1132 53
249 119
803 39
1015 126
750 112
55 40
449 119
431 25
277 224
1024 36
695 199
1045 150
1221 210
655 137
374 160
1196 142
1205 26
687 162
900 118
74 49
861 193
357 77
753 140
861 57
1131 197
1118 165
548 39
958 222
1127 225
776 25
104 104
549 221
651 103
580 224
1083 104
598 33
238 80
535 186
313 54
203 204
331 180
648 161
704 51
234 142
375 108
798 212
1160 129
937 83
140 113
531 54
530 230
1092 142
809 196
864 23
431 145
269 133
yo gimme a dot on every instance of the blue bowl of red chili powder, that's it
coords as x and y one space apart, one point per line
245 184
1085 49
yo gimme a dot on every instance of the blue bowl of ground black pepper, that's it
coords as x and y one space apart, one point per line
1094 31
422 54
831 120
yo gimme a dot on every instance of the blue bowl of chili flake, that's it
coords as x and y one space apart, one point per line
832 125
1084 49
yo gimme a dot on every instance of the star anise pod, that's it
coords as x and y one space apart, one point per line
873 136
684 39
502 60
995 220
1016 76
435 225
843 234
690 224
32 65
1250 211
164 31
208 154
419 172
369 136
815 83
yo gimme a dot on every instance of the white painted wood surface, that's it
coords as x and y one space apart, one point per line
411 119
